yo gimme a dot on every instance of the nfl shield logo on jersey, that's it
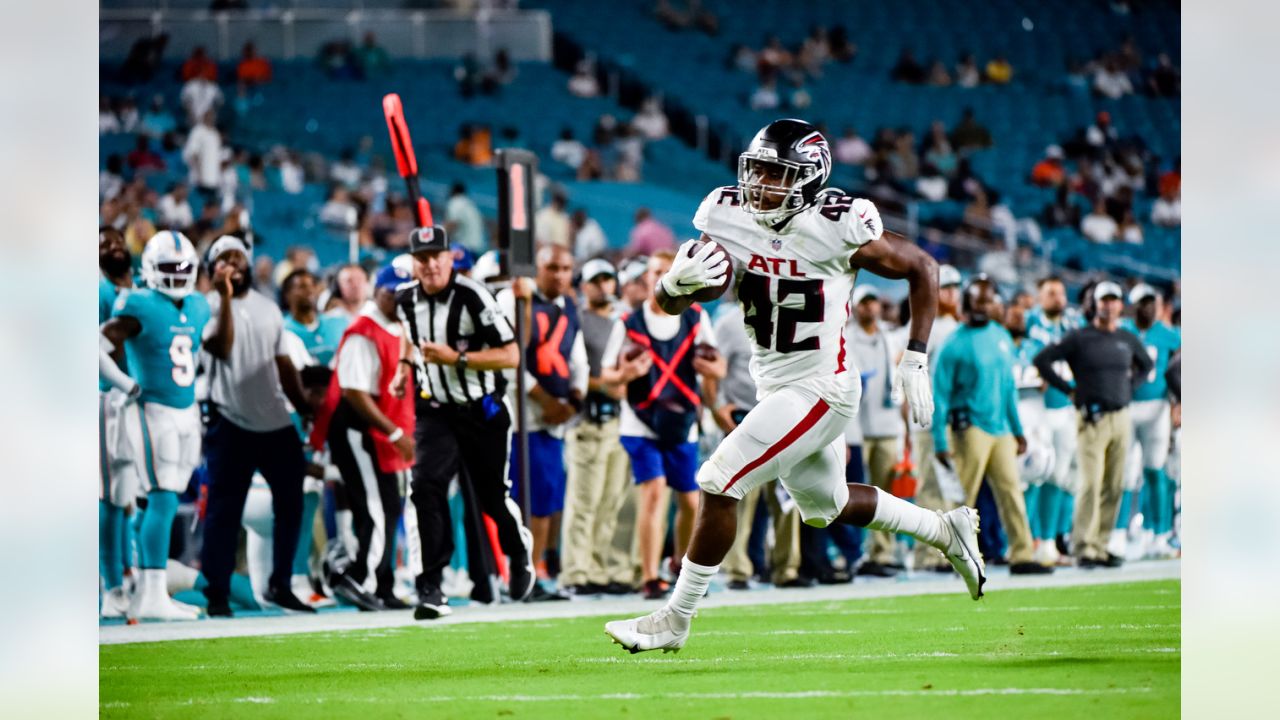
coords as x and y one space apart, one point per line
776 243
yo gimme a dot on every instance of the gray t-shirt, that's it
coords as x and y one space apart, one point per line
596 330
738 388
875 354
246 386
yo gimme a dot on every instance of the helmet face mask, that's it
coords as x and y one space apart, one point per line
170 265
782 170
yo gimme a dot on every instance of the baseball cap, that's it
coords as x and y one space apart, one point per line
864 292
948 275
229 242
633 269
428 239
1141 292
596 267
1106 289
390 277
463 259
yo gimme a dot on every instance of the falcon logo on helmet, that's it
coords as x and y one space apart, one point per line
170 264
781 172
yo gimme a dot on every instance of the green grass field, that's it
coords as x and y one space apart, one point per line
1093 651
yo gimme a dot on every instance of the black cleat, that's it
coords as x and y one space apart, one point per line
797 582
1030 568
219 608
286 600
350 592
391 602
542 594
432 604
618 588
739 585
875 569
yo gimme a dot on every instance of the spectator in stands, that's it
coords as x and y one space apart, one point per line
203 155
742 58
263 276
1165 80
592 167
1101 133
938 151
338 61
292 176
338 211
648 235
1129 230
851 149
199 65
583 83
345 171
772 58
1111 82
904 164
296 257
970 134
171 151
111 179
799 97
144 58
931 185
588 237
765 96
141 159
938 75
127 112
462 220
200 96
1061 212
999 71
842 49
157 121
651 122
108 122
1098 226
1049 172
371 58
352 291
815 51
174 209
907 70
552 222
967 75
1167 210
1171 181
253 69
568 150
468 75
629 147
503 72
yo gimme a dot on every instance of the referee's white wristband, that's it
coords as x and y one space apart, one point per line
395 436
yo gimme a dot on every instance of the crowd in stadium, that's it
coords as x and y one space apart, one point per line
610 516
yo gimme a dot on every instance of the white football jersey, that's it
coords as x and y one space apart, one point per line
795 288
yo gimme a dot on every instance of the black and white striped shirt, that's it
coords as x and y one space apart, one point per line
465 317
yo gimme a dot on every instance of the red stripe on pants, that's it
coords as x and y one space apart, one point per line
801 428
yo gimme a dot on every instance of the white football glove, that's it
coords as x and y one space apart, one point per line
912 384
690 274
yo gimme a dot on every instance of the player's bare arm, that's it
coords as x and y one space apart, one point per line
114 332
219 343
896 258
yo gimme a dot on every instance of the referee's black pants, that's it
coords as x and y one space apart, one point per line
456 439
373 497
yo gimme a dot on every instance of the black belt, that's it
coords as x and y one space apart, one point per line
1094 411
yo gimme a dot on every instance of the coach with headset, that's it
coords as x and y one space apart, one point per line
459 342
975 394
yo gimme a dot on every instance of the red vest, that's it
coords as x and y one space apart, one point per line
398 410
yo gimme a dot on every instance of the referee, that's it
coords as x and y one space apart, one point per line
460 342
1105 360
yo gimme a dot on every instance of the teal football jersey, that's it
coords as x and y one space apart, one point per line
163 355
1046 333
1025 375
322 340
1161 341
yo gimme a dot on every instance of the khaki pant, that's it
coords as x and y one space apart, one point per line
599 482
784 559
928 495
979 455
880 455
1101 456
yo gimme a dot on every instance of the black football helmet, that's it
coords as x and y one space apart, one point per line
781 172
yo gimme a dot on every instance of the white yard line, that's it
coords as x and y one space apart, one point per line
929 584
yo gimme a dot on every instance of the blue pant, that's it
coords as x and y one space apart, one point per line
233 455
546 473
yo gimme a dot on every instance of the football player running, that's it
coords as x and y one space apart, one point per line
796 249
159 328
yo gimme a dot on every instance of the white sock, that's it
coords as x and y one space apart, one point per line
691 586
154 583
897 515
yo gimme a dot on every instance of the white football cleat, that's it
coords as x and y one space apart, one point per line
962 552
663 629
115 603
151 601
192 610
